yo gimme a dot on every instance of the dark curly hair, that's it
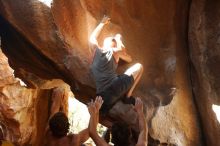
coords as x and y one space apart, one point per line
59 124
121 134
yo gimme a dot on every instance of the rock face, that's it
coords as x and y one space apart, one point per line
16 105
52 42
205 56
21 108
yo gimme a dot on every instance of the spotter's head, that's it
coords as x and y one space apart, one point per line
59 125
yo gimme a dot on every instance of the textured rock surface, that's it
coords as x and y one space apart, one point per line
53 43
21 108
154 34
205 55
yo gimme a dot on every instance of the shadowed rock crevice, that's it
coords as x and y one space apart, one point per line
191 75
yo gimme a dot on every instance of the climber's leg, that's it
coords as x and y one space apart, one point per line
116 91
136 71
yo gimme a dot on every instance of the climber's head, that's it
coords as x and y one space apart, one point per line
109 42
59 125
121 134
113 42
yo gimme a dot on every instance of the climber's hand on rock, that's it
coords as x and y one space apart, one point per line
105 20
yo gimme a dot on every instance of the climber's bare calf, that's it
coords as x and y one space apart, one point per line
136 71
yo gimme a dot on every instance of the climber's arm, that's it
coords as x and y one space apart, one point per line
122 54
56 104
94 118
55 107
142 139
83 135
98 140
121 50
93 38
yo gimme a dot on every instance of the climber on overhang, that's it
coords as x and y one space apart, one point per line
111 86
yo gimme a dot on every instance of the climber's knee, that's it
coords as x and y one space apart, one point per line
135 70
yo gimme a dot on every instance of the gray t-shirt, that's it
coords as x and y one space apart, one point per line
104 69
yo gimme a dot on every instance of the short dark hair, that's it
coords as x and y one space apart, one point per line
121 134
59 124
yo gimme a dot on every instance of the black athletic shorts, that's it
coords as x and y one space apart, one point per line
116 91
